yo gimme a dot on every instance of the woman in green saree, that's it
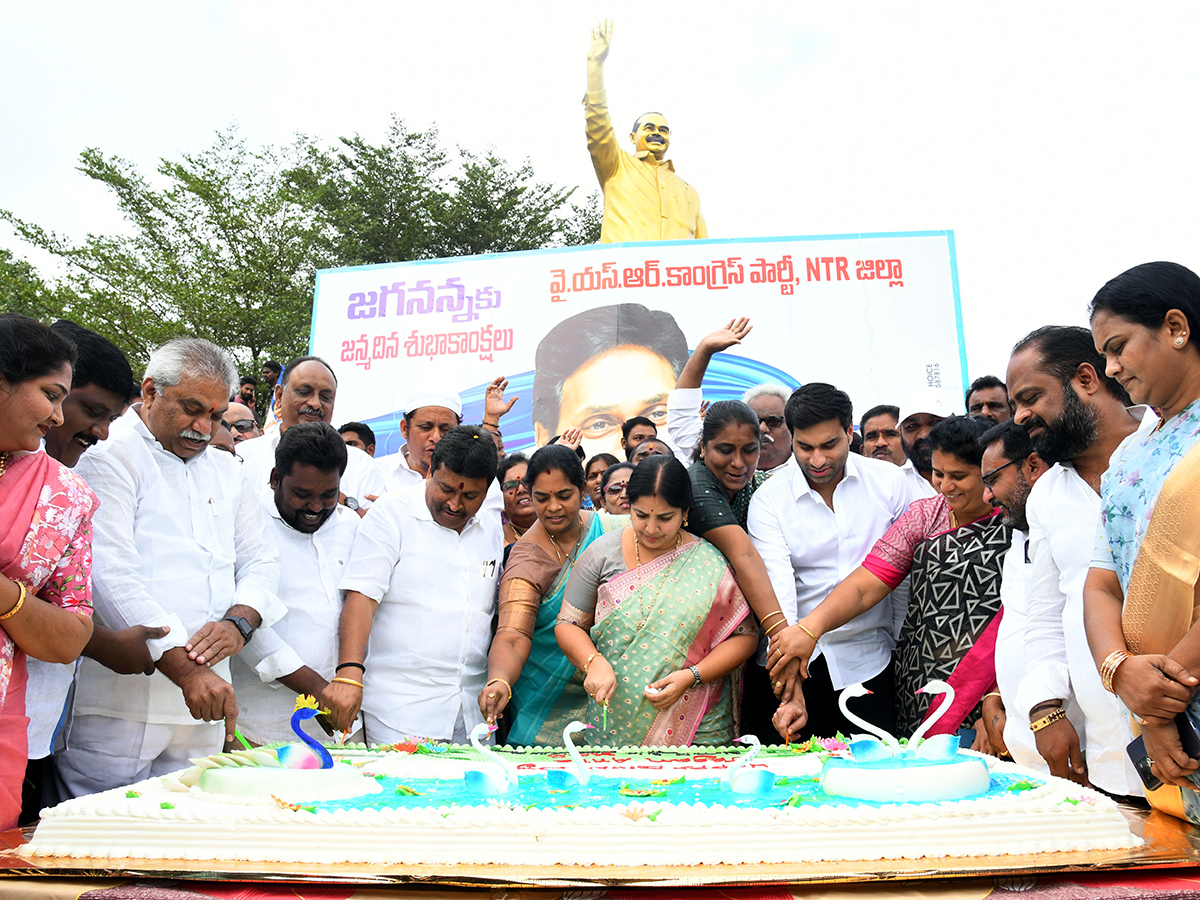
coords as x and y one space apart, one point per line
654 619
527 673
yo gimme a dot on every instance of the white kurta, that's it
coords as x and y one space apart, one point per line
312 565
809 548
362 476
427 656
1063 512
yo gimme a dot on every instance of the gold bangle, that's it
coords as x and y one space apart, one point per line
763 620
1108 668
503 682
589 660
357 684
991 694
1049 719
771 630
800 625
20 601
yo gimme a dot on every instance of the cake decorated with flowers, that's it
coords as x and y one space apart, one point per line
427 804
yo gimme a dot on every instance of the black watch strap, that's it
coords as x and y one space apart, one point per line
243 626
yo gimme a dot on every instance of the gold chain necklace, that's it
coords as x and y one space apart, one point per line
3 462
637 557
574 547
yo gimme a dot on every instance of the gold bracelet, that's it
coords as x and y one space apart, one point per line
1108 668
763 620
991 694
503 682
1049 719
772 629
20 602
806 631
589 661
357 684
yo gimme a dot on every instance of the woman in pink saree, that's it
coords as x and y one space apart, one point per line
45 535
654 619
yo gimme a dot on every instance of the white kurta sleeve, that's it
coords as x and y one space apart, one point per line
118 595
769 539
257 568
376 549
684 425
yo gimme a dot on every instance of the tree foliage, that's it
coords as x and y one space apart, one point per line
225 243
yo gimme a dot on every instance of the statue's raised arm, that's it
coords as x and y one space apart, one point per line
644 200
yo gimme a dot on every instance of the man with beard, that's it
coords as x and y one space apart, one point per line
314 533
1009 469
1077 418
920 411
180 542
880 427
987 398
306 393
812 524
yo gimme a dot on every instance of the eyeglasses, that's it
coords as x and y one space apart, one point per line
772 422
615 490
242 426
990 478
510 487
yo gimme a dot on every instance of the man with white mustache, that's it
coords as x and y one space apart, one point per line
306 393
180 541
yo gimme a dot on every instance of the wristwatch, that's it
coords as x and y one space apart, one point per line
244 628
351 503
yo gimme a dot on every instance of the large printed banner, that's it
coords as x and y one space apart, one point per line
590 336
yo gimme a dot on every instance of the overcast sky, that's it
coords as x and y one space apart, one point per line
1058 141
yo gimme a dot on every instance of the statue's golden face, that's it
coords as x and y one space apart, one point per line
653 134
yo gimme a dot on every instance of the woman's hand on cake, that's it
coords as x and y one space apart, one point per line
994 719
1154 687
1168 759
789 643
343 701
601 680
664 693
493 700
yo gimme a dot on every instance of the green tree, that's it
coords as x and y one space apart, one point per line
222 251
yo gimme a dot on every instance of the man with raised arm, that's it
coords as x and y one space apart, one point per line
644 200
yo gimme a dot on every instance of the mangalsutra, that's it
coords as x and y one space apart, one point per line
574 549
3 462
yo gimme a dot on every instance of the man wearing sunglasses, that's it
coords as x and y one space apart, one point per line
240 421
1076 416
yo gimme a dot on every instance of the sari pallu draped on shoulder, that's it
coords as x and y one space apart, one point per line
549 694
46 544
1160 599
949 632
663 616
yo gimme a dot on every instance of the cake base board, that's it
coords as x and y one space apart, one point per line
1169 842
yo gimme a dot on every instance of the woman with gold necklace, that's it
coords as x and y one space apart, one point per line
953 545
655 622
45 535
528 676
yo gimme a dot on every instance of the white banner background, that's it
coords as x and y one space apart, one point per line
876 315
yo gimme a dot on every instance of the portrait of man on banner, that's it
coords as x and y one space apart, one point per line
603 366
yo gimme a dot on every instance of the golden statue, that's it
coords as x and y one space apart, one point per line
644 200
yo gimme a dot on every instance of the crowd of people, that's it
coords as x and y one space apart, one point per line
181 557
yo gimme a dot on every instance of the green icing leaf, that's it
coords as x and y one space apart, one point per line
132 795
166 805
1024 785
654 815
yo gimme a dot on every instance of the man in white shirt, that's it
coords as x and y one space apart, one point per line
1009 469
180 541
307 393
880 429
684 424
428 415
919 412
813 524
314 533
420 596
1076 416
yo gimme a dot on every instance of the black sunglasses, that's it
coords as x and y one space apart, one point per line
242 426
772 422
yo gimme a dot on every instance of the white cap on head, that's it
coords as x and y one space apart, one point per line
930 400
444 399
